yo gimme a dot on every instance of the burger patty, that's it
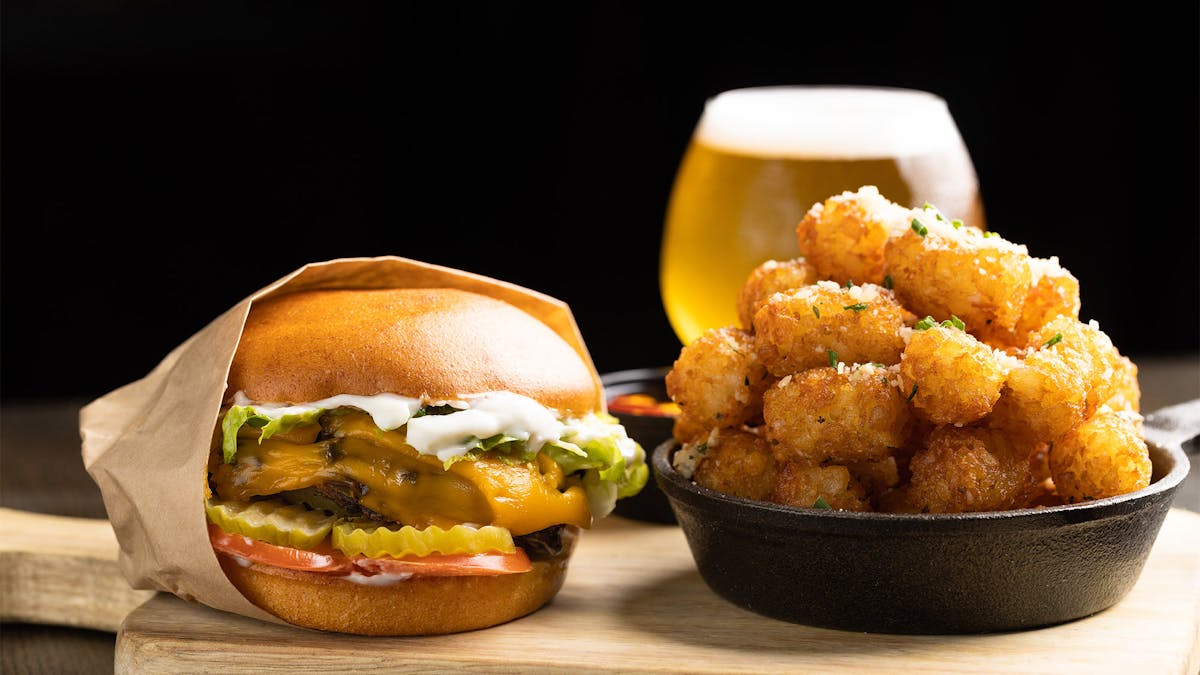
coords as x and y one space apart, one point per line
346 495
544 544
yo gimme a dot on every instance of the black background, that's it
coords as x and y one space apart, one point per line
163 160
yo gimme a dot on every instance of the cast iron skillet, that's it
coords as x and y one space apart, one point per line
931 573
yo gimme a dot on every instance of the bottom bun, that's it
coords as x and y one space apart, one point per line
416 606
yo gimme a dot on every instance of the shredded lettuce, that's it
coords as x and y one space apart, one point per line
240 415
607 477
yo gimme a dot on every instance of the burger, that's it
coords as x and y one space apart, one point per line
408 461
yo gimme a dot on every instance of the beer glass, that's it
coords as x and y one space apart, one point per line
760 157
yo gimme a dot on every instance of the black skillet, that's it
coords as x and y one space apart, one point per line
931 573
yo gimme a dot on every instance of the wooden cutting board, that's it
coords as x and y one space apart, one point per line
633 602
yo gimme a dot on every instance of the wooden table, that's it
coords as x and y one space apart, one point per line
40 471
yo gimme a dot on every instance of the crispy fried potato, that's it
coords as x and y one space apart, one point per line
940 270
1024 406
1053 292
838 415
1103 457
800 484
769 278
807 327
877 478
1105 369
1071 368
717 380
737 462
1127 393
950 377
967 469
844 237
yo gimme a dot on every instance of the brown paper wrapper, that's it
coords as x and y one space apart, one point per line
147 444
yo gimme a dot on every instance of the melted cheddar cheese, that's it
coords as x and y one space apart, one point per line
402 484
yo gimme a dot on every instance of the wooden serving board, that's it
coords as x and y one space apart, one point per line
633 602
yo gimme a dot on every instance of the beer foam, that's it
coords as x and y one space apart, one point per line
828 122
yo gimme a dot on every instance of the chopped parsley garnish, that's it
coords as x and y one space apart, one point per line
887 282
956 223
816 311
833 360
929 322
849 283
919 228
911 394
989 234
822 504
856 307
1054 340
925 324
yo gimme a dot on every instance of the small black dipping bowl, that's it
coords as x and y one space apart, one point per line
650 504
930 573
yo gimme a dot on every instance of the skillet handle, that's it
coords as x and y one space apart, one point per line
1175 424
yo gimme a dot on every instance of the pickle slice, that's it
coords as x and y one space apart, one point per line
376 541
272 521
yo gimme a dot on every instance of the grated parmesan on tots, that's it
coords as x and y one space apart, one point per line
688 457
942 233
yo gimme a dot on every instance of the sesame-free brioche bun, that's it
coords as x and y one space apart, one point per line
437 343
416 606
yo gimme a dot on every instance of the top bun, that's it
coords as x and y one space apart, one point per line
437 343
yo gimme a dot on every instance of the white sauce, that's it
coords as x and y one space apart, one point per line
388 410
489 414
381 579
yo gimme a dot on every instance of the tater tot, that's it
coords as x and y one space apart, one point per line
717 380
940 270
844 237
1103 457
1054 292
839 415
807 327
1092 346
877 478
1127 394
965 469
737 462
949 376
767 279
1045 395
803 484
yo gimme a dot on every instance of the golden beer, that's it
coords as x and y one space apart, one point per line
760 158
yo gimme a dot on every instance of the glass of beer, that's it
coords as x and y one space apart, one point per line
760 157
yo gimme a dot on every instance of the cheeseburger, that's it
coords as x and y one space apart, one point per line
408 461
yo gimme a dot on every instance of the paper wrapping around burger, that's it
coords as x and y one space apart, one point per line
147 444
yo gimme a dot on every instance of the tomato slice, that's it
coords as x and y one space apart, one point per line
323 559
328 560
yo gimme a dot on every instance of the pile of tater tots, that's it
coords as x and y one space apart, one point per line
906 362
